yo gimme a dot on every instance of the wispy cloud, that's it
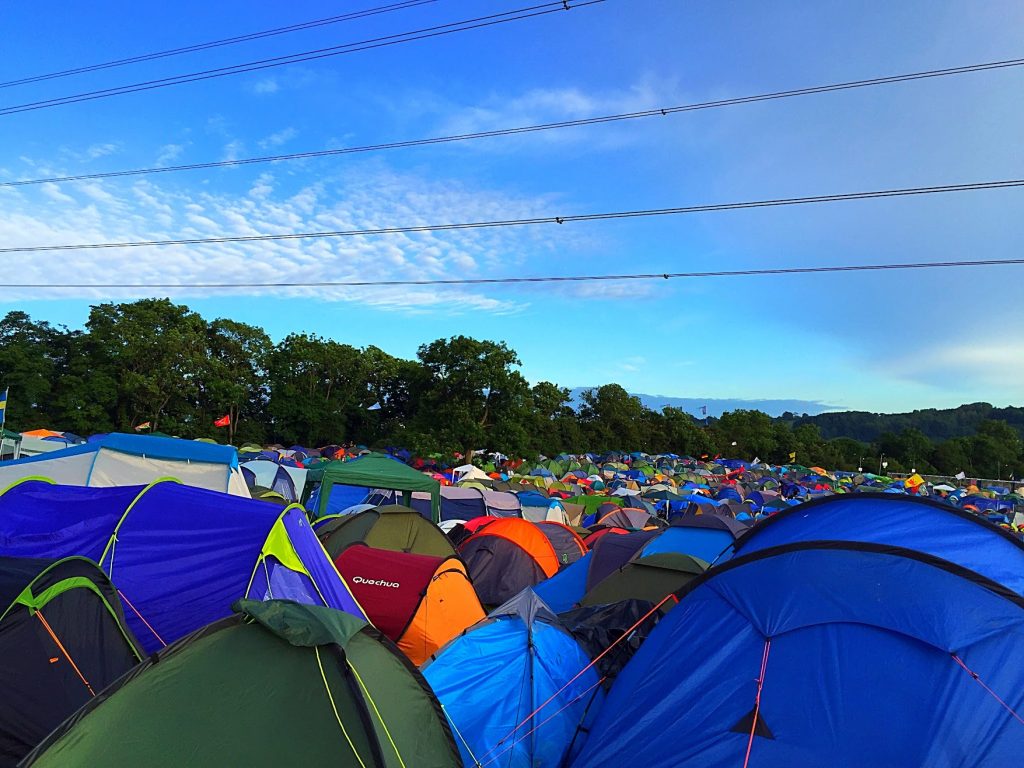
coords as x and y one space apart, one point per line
169 153
373 197
266 85
278 138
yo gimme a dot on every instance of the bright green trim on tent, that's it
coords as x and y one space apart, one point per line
113 536
34 602
30 479
334 708
279 546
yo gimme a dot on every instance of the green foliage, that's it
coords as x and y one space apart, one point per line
156 361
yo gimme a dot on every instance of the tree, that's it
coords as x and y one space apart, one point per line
235 379
474 395
28 366
752 432
155 353
612 419
319 390
682 434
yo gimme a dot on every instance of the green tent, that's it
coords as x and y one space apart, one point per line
375 470
277 684
648 578
397 528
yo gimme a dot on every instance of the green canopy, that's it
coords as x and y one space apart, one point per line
375 470
277 684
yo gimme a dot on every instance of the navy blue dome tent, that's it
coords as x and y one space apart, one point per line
846 654
63 639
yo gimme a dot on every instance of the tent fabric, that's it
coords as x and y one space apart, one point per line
393 527
650 578
599 630
418 601
307 686
505 556
63 638
703 536
568 546
563 591
118 459
919 524
494 676
612 552
180 556
862 667
628 517
376 470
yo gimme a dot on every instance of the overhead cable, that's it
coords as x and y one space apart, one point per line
217 43
467 25
540 279
655 112
501 223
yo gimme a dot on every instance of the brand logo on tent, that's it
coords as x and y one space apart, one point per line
376 582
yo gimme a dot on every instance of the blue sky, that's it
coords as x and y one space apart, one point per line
874 341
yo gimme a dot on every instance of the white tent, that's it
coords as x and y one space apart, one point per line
118 459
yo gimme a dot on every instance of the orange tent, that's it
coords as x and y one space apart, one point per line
506 556
42 433
420 602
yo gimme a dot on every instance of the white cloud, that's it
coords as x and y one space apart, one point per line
368 197
169 153
277 139
53 192
266 85
234 150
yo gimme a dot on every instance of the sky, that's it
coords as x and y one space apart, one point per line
877 341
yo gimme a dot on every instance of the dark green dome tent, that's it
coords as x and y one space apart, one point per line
393 527
647 578
277 684
63 639
378 471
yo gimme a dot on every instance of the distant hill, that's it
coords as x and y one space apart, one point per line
937 424
716 407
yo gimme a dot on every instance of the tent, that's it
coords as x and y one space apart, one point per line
63 639
394 527
179 556
419 601
278 683
823 653
912 522
376 470
492 679
650 578
703 536
568 546
117 459
290 482
505 556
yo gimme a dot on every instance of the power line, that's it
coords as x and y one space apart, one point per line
321 53
655 112
494 224
218 43
543 279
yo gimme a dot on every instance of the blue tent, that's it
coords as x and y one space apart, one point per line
814 654
566 588
180 556
703 536
492 679
903 521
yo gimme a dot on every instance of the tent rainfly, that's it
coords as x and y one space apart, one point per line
375 470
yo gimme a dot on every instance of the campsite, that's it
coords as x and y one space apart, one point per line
503 384
400 610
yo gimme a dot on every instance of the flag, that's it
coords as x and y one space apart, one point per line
960 476
143 425
223 421
704 410
792 456
3 406
913 482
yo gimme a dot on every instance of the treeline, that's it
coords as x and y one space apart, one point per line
937 424
157 362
